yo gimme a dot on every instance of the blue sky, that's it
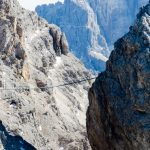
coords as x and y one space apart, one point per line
31 4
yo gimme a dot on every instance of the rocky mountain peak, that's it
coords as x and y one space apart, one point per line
91 38
119 113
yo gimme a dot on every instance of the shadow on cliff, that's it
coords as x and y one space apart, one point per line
10 142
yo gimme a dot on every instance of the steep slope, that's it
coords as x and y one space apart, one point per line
34 59
92 26
119 113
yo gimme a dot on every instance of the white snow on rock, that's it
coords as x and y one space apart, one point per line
61 148
98 55
58 61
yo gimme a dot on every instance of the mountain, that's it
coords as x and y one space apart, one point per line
119 113
42 105
92 26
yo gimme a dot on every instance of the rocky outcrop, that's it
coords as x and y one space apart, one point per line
118 116
103 21
34 61
59 42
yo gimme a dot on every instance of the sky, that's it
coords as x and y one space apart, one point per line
31 4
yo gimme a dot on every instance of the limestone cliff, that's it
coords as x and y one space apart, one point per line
118 117
34 59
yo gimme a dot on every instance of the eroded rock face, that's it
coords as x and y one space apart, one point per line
33 61
119 113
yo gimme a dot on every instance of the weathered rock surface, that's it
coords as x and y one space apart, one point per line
12 142
34 57
118 117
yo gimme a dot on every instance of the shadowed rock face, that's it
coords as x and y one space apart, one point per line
10 142
118 116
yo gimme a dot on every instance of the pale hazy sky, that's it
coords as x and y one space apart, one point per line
31 4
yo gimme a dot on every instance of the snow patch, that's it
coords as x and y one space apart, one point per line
98 55
12 106
58 61
61 148
40 128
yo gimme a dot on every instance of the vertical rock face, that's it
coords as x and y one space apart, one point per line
35 58
118 116
92 26
114 16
